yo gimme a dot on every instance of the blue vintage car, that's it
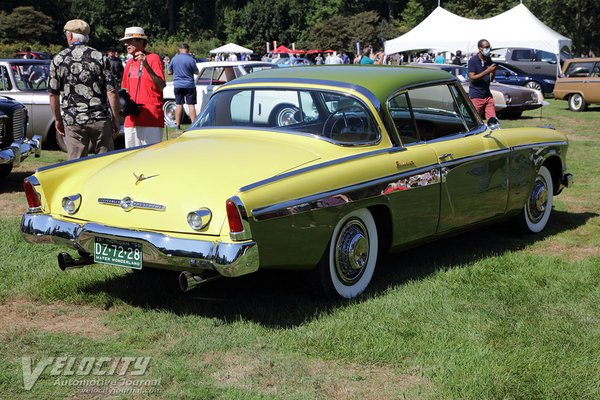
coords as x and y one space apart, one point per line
511 75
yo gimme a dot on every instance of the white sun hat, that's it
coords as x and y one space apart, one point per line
134 32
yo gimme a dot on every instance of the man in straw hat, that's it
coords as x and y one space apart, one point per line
80 83
144 79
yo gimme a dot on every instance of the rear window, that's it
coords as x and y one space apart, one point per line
579 69
336 117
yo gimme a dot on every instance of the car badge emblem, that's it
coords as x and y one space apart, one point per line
128 204
142 177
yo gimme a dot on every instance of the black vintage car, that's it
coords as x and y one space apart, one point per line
14 146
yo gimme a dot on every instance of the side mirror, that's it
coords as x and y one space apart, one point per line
493 123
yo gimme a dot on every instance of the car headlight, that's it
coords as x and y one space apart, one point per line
550 81
71 203
507 98
199 219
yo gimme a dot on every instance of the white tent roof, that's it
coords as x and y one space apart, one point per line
231 48
443 30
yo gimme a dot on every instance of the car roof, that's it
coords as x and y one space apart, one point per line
205 64
25 61
380 80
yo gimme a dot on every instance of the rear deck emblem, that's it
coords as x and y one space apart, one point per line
128 204
142 177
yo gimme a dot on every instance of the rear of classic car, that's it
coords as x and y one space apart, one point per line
14 146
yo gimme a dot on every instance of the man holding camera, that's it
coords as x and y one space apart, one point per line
80 84
144 80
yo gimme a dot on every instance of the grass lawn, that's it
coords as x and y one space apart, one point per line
482 315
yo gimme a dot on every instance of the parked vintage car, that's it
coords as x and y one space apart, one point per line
580 83
26 81
510 101
511 75
212 75
532 61
373 159
14 146
293 62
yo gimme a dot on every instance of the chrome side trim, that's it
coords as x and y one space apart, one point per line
541 144
428 175
321 165
463 160
228 259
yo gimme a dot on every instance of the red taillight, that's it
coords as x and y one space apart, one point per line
32 197
234 217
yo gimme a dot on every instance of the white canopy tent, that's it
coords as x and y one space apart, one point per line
443 30
231 48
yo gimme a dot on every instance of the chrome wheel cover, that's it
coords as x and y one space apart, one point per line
538 200
576 101
169 110
286 116
351 252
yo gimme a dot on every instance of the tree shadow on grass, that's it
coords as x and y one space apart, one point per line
284 299
14 182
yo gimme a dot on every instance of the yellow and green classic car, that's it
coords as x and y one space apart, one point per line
301 168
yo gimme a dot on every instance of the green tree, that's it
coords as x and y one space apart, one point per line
25 24
413 14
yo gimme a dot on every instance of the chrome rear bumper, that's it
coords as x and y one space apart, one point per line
20 150
160 250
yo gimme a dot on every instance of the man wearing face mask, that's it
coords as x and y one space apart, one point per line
481 73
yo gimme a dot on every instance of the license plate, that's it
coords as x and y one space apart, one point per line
118 252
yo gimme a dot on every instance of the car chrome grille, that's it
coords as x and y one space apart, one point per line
2 129
19 124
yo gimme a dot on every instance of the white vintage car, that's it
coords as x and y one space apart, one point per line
212 75
25 80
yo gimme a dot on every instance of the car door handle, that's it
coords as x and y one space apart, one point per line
446 155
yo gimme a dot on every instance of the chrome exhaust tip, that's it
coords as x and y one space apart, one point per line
189 280
66 262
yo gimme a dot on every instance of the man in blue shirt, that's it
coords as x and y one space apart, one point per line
183 67
481 73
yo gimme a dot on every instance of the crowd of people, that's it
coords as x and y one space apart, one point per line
88 90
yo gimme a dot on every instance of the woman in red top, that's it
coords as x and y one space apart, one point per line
144 80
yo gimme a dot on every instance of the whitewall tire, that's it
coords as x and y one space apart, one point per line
538 207
349 262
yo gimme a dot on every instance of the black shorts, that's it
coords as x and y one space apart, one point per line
185 95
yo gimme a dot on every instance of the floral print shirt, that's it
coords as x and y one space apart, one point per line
81 75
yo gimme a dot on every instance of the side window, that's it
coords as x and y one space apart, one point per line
4 79
206 77
596 71
431 112
579 69
545 56
465 107
522 55
403 119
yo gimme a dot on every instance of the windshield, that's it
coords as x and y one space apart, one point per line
31 76
334 116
